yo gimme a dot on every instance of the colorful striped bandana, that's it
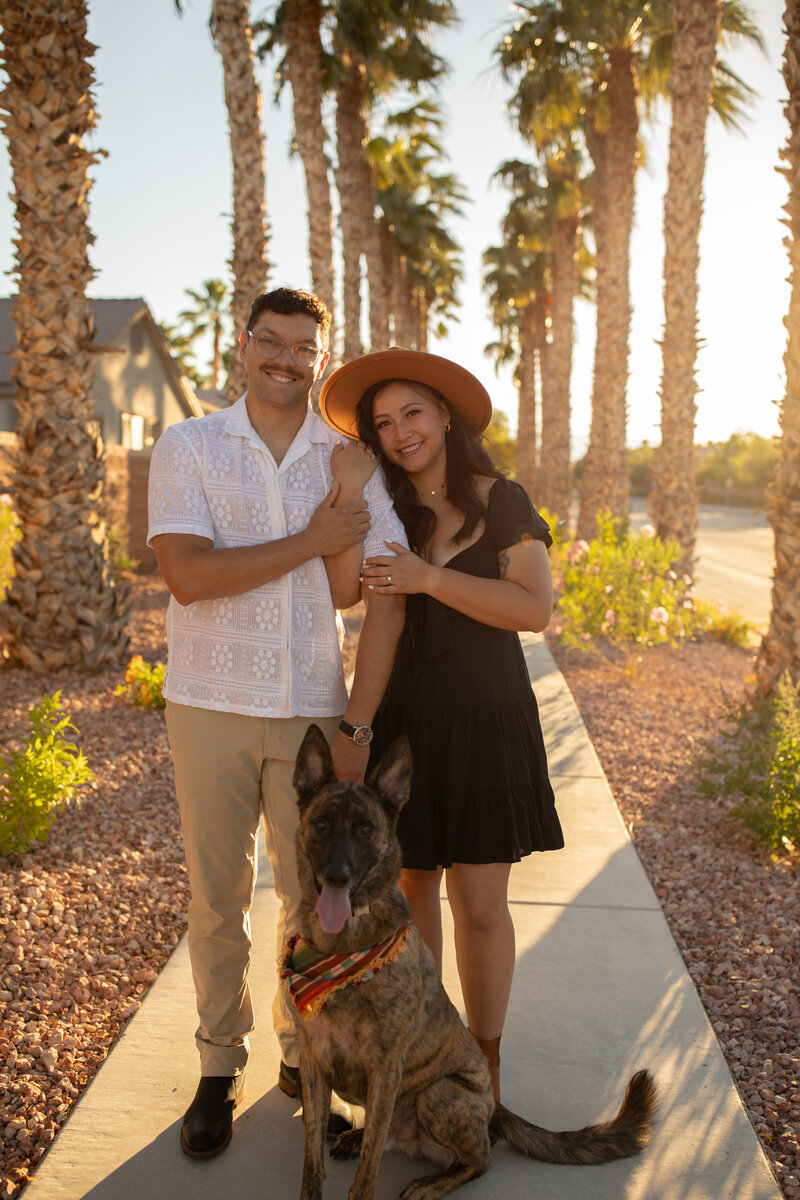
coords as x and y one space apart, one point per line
312 977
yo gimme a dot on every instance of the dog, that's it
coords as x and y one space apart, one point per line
374 1021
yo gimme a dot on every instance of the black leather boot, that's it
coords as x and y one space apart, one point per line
208 1123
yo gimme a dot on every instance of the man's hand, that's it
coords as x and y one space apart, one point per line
349 760
333 530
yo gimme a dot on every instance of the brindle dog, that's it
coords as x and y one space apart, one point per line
393 1042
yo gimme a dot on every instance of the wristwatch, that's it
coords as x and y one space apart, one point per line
360 734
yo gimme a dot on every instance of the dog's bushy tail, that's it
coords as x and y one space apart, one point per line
627 1134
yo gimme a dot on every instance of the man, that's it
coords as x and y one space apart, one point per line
259 547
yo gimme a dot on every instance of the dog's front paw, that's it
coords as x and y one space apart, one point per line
347 1145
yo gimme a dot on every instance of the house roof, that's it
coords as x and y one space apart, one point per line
111 315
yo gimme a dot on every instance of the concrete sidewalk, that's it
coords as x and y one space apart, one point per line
600 990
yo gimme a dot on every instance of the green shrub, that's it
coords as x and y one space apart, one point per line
143 683
757 760
9 534
620 590
40 780
724 624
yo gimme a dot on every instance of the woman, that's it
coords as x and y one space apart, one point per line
476 573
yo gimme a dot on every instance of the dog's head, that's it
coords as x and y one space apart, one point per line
348 855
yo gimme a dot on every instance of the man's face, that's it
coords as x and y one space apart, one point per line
275 379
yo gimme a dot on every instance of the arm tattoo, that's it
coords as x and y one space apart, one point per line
503 561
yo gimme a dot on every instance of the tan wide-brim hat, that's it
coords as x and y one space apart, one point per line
343 389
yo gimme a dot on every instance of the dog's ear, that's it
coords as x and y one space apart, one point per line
314 766
392 776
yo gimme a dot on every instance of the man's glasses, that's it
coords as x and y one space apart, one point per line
270 347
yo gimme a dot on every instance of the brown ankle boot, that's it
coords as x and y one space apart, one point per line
491 1052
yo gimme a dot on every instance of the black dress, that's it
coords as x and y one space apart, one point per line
460 690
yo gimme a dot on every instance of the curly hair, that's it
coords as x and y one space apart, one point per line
289 301
467 459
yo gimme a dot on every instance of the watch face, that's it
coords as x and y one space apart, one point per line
363 735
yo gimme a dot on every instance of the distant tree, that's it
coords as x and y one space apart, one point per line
208 316
180 346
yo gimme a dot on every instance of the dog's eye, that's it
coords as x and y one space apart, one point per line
320 824
366 829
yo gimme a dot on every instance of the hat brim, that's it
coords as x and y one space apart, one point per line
342 390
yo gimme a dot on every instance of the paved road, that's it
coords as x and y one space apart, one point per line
735 558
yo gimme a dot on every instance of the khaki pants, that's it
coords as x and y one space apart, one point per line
229 769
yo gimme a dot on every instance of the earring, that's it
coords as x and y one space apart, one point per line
447 427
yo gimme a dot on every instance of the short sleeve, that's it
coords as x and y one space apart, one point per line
512 518
177 501
385 525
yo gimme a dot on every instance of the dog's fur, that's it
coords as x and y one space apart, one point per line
394 1043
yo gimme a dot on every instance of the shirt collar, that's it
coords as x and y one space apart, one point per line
312 430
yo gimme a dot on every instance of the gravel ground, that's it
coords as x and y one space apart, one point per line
87 922
733 907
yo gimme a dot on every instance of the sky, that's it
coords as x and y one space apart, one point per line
160 205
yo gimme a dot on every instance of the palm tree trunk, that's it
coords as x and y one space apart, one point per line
614 150
780 647
674 496
373 253
527 424
63 608
233 38
349 153
555 476
390 265
304 65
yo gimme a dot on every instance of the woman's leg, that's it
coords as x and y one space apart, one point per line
421 889
485 950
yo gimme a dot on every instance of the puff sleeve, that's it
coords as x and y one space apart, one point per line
512 518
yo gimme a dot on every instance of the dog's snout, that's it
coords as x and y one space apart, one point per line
339 869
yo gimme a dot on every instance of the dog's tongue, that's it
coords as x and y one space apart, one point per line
333 908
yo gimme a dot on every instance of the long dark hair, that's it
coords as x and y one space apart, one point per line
467 459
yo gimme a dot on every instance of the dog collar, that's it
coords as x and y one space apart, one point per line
312 977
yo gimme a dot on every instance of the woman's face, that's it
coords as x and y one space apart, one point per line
410 426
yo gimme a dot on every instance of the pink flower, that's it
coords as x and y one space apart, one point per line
608 589
659 614
577 551
648 531
611 617
637 564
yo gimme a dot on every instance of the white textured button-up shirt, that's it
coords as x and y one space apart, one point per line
274 651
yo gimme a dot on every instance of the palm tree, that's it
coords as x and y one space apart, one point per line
208 316
586 66
233 38
299 22
180 348
674 497
420 259
377 48
578 66
63 608
517 280
569 270
780 648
